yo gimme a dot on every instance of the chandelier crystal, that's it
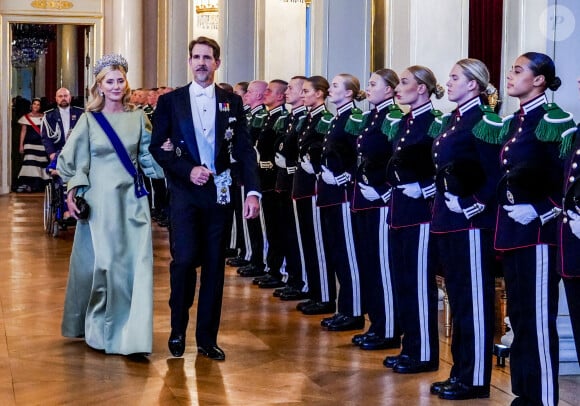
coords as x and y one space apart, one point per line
29 42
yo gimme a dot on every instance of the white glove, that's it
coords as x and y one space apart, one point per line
329 178
412 190
280 160
574 223
452 202
521 213
307 166
369 192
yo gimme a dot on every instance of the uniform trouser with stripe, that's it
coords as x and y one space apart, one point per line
341 257
255 236
274 255
290 242
237 197
372 252
532 299
413 271
572 286
467 258
313 249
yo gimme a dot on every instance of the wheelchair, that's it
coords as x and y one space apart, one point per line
55 206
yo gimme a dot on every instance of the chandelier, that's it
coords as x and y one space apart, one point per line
29 42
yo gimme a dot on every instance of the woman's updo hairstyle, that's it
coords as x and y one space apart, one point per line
425 76
542 64
319 83
353 84
474 69
389 76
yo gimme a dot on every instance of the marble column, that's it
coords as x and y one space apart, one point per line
125 26
67 58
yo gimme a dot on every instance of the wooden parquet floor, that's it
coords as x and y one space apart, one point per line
275 355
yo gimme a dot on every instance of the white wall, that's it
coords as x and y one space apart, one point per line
430 33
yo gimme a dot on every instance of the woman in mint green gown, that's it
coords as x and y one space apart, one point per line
109 295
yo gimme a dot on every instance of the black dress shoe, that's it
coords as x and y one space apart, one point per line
278 292
346 323
411 366
211 351
436 387
327 320
460 391
357 339
294 294
251 270
302 305
237 261
271 283
319 308
176 344
374 341
392 360
262 278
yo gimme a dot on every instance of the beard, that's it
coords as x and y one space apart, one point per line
63 104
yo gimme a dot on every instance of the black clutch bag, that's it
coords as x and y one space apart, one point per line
83 206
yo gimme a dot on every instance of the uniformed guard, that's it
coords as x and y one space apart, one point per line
467 171
411 175
530 194
334 190
289 126
370 205
322 293
253 229
265 145
569 235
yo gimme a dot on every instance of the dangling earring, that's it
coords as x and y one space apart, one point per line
100 92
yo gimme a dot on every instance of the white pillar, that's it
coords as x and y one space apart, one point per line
125 24
173 38
67 69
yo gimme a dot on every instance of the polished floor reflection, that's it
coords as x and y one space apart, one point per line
274 354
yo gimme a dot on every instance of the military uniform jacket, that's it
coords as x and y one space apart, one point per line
373 150
339 156
287 146
256 120
569 255
309 147
173 120
468 167
52 130
265 145
411 162
532 173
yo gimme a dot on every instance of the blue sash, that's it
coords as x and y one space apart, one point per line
140 190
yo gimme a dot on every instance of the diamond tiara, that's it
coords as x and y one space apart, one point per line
111 60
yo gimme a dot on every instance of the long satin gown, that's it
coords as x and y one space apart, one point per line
109 296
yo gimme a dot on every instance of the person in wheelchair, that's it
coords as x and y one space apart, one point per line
55 129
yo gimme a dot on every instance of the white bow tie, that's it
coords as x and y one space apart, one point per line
208 91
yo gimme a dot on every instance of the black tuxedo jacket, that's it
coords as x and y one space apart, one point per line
173 120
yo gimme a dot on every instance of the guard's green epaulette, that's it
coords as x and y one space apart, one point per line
568 139
505 129
393 116
259 118
356 121
437 124
489 127
554 123
300 122
324 123
281 122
